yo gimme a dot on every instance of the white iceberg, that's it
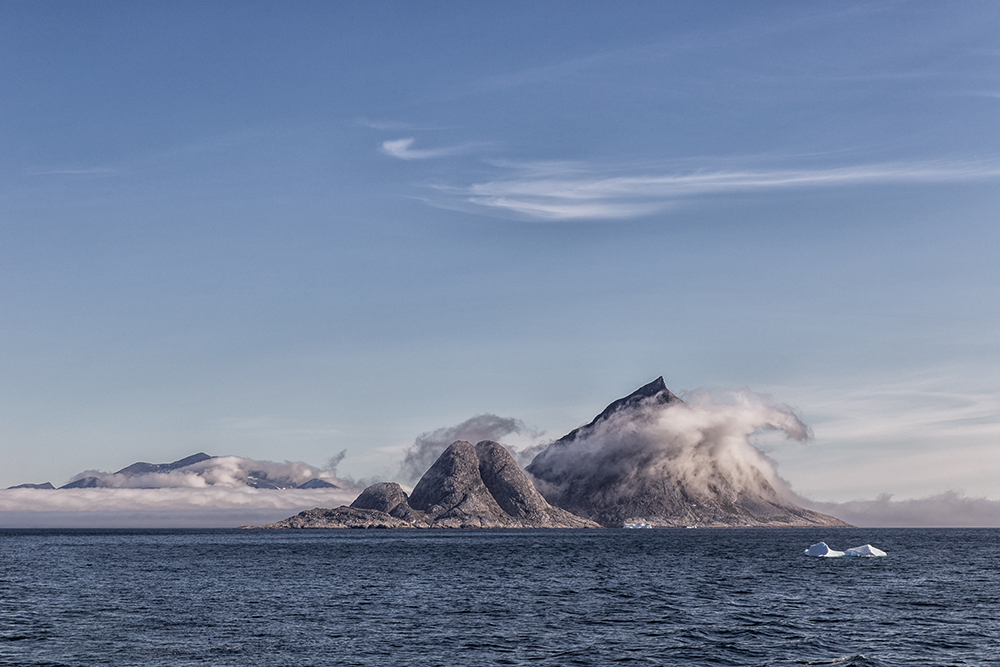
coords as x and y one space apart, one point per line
821 550
866 551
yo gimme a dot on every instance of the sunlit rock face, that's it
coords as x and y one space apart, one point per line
482 486
469 486
651 457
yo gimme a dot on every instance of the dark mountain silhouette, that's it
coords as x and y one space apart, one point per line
143 468
316 483
83 483
43 485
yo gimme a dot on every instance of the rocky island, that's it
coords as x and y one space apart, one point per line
469 486
626 465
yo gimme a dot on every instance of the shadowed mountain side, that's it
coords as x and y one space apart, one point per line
387 497
650 457
469 486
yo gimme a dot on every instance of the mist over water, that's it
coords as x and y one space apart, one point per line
211 507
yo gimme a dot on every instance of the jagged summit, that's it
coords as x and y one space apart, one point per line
655 392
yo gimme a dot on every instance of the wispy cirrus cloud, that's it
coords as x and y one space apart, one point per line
403 149
72 171
929 432
396 125
557 191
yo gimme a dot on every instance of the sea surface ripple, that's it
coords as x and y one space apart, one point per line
497 597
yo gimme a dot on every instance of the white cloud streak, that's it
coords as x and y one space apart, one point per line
578 194
82 171
913 436
402 149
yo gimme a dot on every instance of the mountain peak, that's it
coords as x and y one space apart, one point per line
143 468
635 468
655 392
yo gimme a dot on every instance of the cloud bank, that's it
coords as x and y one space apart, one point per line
227 471
221 491
178 507
947 510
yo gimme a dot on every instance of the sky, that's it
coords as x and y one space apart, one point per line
283 231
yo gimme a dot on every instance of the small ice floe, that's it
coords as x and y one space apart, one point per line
821 550
867 551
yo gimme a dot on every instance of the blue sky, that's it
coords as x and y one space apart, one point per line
282 230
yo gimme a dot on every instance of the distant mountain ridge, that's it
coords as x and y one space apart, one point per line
237 472
142 468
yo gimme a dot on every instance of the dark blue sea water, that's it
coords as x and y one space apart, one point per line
548 597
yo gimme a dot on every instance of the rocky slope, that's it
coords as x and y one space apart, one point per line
469 486
643 480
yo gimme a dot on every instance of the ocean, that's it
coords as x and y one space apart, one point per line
498 597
